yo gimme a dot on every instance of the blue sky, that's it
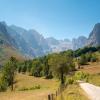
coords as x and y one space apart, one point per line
58 18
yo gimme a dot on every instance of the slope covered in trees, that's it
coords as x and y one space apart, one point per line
55 65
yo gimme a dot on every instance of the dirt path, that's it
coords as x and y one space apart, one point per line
92 91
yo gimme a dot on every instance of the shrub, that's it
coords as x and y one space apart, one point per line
88 56
81 76
93 58
23 89
3 85
37 87
49 76
31 88
70 81
83 60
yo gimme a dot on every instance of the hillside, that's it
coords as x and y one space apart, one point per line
6 52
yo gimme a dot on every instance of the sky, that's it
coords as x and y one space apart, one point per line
52 18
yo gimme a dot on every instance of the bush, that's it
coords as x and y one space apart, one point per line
49 76
37 87
3 85
23 89
81 76
70 81
93 59
88 56
32 88
83 60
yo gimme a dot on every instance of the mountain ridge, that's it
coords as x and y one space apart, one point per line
94 37
33 44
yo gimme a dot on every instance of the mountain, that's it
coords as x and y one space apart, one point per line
7 45
5 38
35 41
9 37
59 45
52 41
94 37
30 43
79 42
41 46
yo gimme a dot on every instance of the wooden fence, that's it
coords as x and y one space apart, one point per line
53 96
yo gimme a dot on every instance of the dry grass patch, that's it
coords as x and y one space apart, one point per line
73 92
95 79
92 68
25 81
24 95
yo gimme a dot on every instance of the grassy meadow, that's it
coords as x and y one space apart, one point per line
23 88
23 91
25 81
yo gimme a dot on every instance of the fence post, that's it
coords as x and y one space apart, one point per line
49 97
56 93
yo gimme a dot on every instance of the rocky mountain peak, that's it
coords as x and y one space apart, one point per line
94 37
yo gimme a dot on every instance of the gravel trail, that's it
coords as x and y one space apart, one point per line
92 91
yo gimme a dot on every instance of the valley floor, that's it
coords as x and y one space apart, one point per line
46 87
27 82
24 83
